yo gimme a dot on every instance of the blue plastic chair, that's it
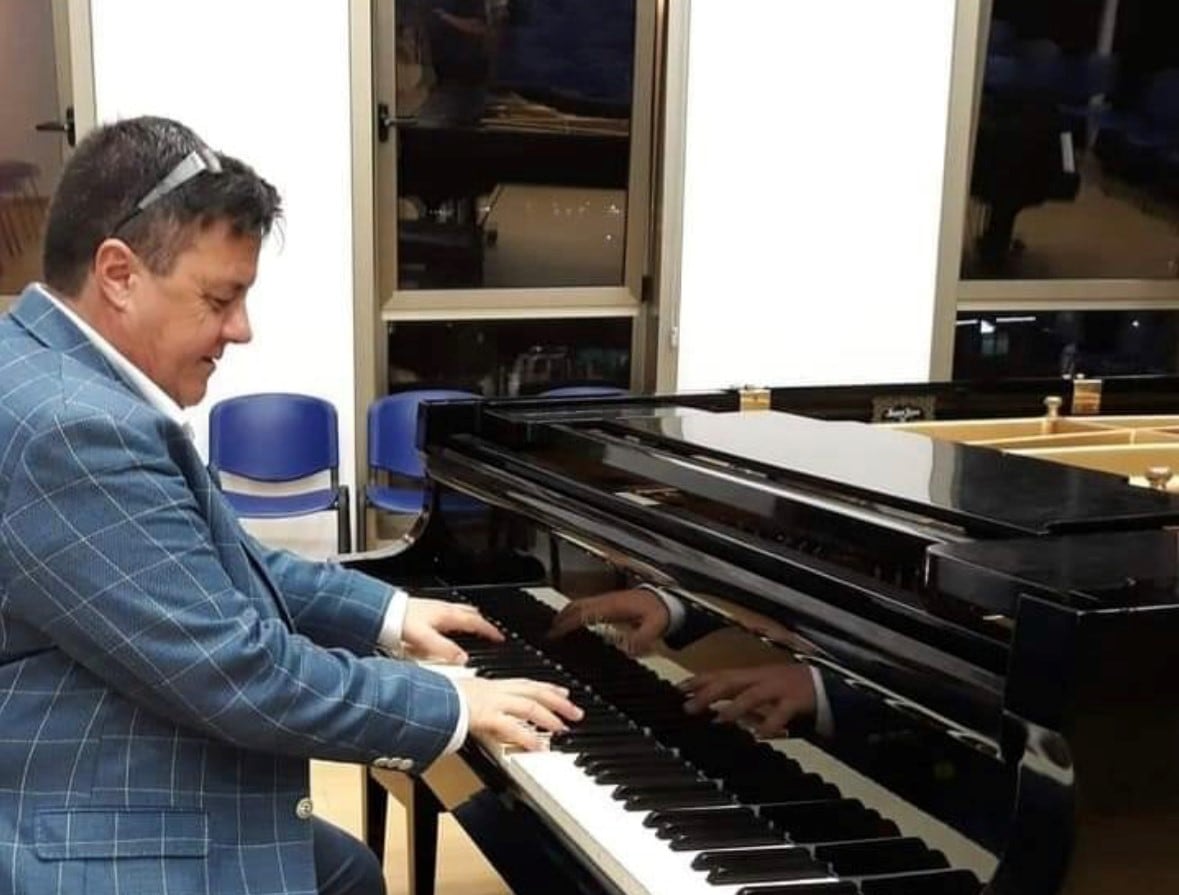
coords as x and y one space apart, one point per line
393 455
1002 37
275 438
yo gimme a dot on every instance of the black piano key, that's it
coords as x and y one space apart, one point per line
670 834
668 828
545 675
603 744
590 735
689 815
759 865
764 857
606 725
656 800
596 764
874 857
639 748
642 776
841 887
940 882
687 787
696 840
829 821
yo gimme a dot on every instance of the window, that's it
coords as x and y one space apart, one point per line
517 143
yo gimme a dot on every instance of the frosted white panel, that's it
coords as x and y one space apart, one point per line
815 146
267 81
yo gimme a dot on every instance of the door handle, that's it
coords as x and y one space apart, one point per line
60 127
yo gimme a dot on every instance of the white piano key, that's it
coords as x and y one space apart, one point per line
614 839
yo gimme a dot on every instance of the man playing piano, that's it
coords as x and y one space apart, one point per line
163 676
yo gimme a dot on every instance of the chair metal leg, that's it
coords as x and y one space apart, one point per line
344 520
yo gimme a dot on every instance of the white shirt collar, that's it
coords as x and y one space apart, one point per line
148 390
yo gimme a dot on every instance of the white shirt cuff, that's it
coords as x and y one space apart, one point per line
390 641
676 613
390 637
824 723
460 728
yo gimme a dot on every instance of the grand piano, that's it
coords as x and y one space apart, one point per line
993 636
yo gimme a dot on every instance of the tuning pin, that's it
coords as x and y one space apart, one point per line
1158 477
1052 406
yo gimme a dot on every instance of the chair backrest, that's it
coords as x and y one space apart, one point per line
1041 48
583 391
1085 77
1002 37
393 429
1161 102
274 437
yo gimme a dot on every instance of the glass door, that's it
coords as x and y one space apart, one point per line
514 143
38 123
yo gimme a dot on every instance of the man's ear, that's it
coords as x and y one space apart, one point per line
116 268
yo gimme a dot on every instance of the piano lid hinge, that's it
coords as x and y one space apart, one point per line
754 397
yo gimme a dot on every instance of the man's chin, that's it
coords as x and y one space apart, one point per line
190 397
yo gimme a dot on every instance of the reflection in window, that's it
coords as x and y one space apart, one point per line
1076 162
510 357
990 345
513 142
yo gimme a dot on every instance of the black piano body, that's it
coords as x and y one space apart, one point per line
996 634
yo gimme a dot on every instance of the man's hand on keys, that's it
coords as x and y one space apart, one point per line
516 711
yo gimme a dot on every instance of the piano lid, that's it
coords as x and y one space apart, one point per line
1118 570
982 490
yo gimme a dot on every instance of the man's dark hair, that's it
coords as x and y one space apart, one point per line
115 167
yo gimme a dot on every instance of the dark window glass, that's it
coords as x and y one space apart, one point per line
1063 343
510 357
514 122
1076 160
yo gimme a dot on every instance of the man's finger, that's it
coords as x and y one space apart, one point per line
747 700
551 696
432 645
568 620
778 718
534 713
715 689
471 623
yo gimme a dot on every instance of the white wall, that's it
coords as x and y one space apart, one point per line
267 81
815 146
28 87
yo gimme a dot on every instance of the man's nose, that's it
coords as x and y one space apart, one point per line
237 327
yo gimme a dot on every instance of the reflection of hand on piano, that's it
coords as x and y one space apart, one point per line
515 711
427 622
642 615
770 696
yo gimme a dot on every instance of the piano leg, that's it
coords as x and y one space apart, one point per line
424 808
376 800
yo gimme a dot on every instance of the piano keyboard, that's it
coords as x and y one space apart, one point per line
663 802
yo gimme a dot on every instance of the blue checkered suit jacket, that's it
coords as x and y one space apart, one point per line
163 677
